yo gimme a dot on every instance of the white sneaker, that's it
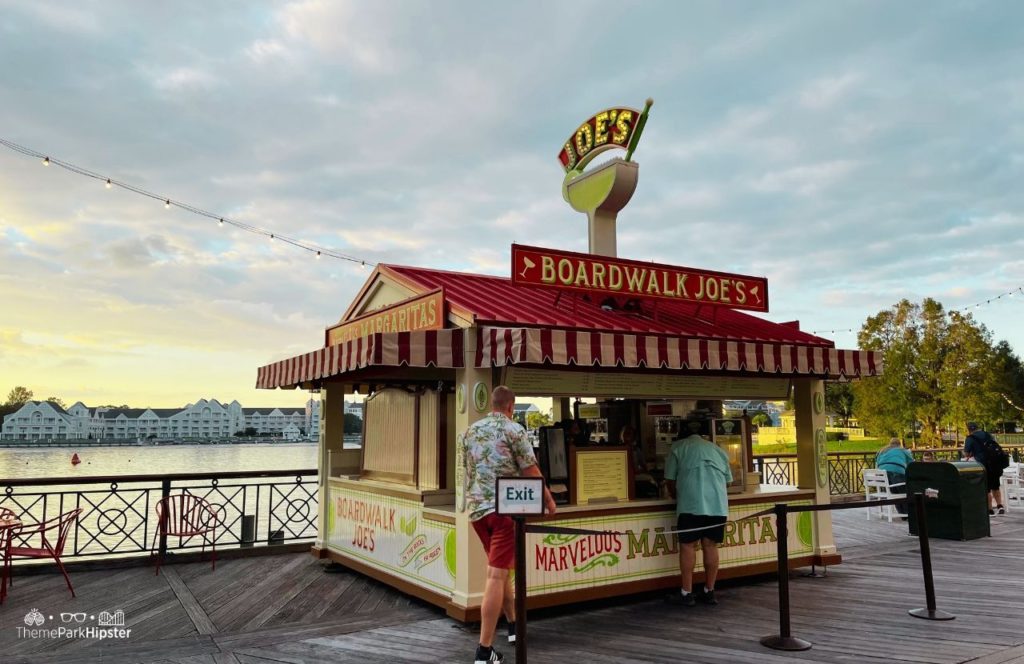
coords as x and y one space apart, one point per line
495 658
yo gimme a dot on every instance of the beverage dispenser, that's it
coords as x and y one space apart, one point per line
731 435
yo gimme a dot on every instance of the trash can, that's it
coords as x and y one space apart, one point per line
961 510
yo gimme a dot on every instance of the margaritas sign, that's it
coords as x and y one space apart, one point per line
422 312
564 270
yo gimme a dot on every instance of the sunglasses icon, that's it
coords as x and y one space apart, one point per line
76 617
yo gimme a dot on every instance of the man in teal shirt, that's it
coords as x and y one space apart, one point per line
698 473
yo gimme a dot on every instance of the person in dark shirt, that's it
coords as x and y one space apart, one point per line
974 448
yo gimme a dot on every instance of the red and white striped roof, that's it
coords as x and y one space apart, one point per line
501 346
525 325
427 348
498 302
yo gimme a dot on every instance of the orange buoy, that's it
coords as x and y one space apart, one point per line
74 459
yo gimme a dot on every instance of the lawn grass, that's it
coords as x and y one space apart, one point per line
869 445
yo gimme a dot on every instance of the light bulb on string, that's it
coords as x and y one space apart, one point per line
318 255
109 183
271 237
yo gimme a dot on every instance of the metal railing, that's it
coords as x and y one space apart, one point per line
118 517
845 469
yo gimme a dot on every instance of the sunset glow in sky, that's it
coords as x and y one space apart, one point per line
854 153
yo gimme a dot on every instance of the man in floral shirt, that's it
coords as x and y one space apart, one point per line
496 446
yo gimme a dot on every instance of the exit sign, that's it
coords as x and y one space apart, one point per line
517 496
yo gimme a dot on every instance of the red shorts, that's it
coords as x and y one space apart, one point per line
498 534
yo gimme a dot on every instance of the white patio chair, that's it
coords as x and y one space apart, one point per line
1011 485
877 487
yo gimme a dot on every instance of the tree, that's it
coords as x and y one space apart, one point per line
537 420
761 420
58 401
353 423
969 378
883 402
1010 382
18 396
839 399
939 367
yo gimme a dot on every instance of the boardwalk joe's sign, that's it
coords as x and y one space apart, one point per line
607 276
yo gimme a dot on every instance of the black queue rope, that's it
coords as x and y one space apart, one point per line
784 640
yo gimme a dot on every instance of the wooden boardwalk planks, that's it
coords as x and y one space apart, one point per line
266 610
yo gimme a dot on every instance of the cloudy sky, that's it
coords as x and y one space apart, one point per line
854 153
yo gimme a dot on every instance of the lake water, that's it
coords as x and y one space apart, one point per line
154 459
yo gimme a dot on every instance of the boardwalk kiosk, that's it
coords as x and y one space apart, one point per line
650 343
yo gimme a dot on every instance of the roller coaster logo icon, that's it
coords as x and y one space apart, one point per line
115 619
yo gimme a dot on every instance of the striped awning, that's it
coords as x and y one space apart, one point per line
427 348
501 346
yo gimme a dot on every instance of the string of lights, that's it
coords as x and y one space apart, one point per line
314 249
168 202
961 310
1010 401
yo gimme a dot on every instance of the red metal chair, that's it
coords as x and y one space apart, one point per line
185 515
48 548
6 535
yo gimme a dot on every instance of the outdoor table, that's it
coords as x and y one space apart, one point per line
6 524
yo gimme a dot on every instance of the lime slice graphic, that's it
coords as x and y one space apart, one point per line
449 552
804 529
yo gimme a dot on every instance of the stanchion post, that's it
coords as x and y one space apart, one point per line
930 612
520 590
784 640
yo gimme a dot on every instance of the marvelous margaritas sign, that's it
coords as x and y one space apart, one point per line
646 549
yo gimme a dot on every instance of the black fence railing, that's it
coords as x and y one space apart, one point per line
118 513
845 469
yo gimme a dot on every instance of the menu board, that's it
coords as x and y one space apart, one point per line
601 475
598 383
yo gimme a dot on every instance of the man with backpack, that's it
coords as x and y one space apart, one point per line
983 448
